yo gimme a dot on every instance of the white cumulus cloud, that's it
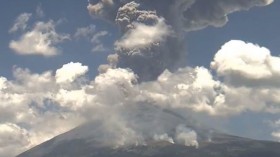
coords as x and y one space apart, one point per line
40 40
247 64
69 72
143 36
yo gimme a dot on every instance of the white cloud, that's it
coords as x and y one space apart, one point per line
3 81
97 8
143 36
20 22
98 35
98 48
74 99
247 64
94 36
69 72
31 82
13 139
41 40
65 99
96 41
85 32
30 100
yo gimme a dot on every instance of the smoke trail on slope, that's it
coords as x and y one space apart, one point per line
126 111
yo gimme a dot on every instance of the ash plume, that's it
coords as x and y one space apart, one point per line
153 30
151 48
143 92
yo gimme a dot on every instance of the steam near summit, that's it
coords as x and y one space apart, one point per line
146 92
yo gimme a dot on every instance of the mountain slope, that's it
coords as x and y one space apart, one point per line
72 144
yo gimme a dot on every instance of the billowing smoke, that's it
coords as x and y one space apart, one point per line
142 94
151 45
124 112
153 30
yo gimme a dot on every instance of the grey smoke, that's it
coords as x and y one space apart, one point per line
180 16
124 111
152 46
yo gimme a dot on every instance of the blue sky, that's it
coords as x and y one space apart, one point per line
73 15
259 25
243 25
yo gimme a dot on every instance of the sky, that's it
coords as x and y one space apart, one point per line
63 63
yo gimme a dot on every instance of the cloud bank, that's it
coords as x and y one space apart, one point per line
47 104
145 91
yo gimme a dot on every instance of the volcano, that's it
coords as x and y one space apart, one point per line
80 142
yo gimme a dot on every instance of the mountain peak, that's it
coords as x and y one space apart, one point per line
80 142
